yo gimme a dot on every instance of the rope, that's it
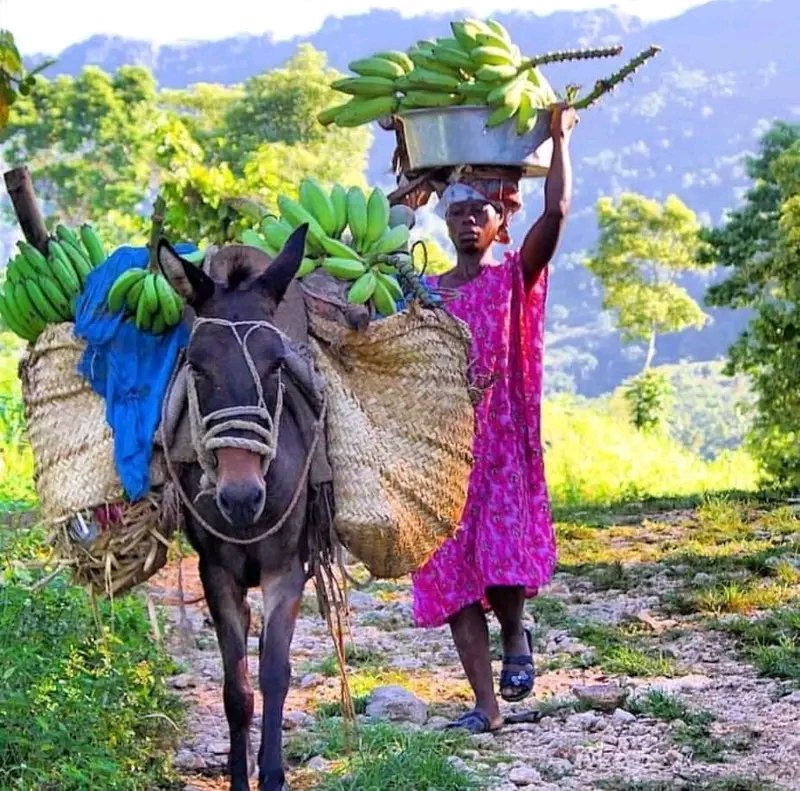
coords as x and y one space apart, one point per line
205 440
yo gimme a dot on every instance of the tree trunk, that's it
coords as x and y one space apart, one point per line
651 350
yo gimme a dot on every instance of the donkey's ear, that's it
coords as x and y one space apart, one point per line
194 285
279 273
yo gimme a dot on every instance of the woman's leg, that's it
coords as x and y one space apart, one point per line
508 603
471 637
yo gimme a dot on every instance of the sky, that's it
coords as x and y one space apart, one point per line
48 26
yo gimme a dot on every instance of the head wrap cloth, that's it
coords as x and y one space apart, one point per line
500 191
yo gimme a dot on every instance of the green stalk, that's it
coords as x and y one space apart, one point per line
604 86
562 55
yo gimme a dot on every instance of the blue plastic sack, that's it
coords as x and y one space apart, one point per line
127 367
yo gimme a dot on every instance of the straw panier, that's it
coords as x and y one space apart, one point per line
73 450
400 431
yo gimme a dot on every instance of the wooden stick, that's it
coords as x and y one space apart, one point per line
20 189
156 229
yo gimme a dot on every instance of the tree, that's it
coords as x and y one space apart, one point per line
648 396
643 249
282 105
89 144
101 146
760 245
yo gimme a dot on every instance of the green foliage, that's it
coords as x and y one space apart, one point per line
644 247
254 141
16 460
88 142
711 411
594 456
760 243
98 146
82 705
433 259
15 79
648 396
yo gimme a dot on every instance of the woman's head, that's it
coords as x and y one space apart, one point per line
477 214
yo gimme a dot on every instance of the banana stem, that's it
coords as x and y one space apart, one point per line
604 86
156 230
564 55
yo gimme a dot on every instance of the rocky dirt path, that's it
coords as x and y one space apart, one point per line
644 679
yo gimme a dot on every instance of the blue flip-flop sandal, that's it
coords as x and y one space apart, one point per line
516 685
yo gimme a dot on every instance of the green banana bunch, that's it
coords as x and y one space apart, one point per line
352 235
42 288
478 65
148 298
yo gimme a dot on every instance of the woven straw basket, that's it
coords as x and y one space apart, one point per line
73 452
400 431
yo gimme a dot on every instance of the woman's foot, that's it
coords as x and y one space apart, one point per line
518 673
476 721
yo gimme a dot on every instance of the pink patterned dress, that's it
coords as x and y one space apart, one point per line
506 536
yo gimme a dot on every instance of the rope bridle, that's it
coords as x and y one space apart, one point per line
208 431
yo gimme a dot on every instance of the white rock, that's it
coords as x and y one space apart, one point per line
183 681
587 720
396 704
293 720
690 683
218 747
524 776
459 764
622 717
793 698
360 601
311 680
318 764
437 723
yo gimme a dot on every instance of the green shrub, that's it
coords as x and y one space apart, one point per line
83 698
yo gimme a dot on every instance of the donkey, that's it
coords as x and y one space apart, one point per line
246 500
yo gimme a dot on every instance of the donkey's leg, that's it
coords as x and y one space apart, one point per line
227 601
282 594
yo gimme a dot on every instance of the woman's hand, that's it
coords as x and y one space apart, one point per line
563 119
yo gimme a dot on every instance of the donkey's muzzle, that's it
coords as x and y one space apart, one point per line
241 502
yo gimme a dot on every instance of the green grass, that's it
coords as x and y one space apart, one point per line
693 728
384 758
83 704
771 642
624 650
16 461
362 659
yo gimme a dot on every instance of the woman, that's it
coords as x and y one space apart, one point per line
505 550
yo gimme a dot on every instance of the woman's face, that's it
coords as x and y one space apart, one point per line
473 225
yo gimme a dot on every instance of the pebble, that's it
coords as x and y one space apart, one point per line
183 681
311 680
294 720
524 776
622 717
396 704
317 764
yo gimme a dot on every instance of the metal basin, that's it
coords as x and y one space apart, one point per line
451 136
